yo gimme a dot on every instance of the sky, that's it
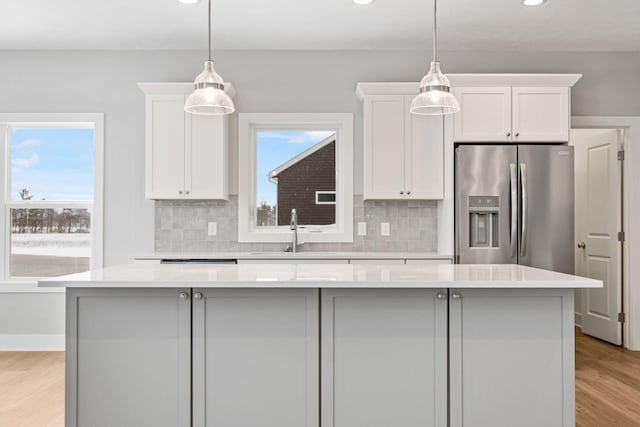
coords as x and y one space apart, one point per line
275 147
54 164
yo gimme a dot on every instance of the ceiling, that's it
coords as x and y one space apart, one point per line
560 25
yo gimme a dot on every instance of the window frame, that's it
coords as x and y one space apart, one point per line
249 125
318 202
49 121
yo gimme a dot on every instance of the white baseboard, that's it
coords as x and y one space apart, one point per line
578 320
52 342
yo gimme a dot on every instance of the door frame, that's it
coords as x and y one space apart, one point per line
630 209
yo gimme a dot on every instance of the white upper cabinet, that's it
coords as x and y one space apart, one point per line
384 147
485 114
403 153
540 114
164 147
518 108
186 155
206 151
424 155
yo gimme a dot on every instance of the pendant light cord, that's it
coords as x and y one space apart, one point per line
209 15
435 31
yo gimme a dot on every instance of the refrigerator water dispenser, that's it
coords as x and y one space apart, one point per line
484 221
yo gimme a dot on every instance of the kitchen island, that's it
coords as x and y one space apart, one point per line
308 345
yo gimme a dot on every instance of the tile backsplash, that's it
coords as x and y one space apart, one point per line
181 226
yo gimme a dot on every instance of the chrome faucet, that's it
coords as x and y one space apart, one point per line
294 227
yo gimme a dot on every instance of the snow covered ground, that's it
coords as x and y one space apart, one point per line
54 244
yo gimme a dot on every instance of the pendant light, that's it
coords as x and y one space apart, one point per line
209 97
434 97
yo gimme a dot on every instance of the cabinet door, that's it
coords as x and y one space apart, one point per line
384 136
541 114
255 358
511 358
207 157
384 358
485 114
424 155
128 358
164 147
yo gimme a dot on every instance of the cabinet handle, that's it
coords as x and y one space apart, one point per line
402 192
456 295
508 133
517 134
187 192
197 295
441 295
183 296
408 193
179 191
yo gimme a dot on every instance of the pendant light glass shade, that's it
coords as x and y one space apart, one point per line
434 97
209 97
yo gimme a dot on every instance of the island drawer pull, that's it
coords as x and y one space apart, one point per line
456 295
197 295
441 295
183 296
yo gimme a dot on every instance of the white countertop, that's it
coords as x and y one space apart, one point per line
320 276
298 255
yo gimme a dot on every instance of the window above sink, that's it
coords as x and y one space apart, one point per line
295 161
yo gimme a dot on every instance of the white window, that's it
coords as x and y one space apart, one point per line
51 213
325 197
285 158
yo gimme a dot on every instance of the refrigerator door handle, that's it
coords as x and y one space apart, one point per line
514 209
523 181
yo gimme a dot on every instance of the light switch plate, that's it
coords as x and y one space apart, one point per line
362 229
212 229
384 229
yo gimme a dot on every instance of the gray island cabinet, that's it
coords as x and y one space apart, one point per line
296 345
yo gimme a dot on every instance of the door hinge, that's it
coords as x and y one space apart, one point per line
621 155
621 236
622 317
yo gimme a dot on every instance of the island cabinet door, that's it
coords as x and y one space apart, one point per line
128 358
511 358
255 358
384 358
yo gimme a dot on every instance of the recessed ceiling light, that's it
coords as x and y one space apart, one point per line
533 2
363 2
189 1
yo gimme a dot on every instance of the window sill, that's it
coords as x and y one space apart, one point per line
26 287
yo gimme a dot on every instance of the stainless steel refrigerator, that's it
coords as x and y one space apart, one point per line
514 205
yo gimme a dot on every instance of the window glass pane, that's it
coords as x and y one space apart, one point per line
51 164
50 242
291 166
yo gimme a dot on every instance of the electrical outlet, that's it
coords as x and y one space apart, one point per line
212 230
384 229
362 229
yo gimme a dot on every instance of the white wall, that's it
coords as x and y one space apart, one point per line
266 81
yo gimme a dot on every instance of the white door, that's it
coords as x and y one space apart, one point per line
485 114
384 147
540 114
165 151
598 221
424 155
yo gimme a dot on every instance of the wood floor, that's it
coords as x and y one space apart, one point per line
32 389
607 386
